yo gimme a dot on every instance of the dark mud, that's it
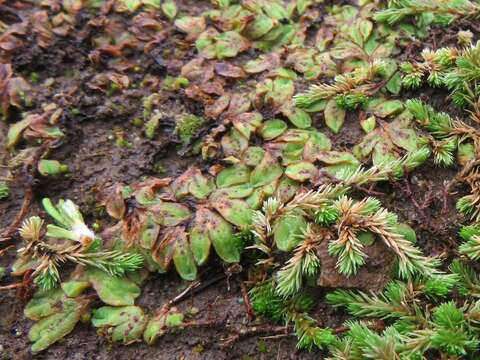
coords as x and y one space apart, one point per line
93 122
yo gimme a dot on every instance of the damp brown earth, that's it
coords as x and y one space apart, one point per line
93 121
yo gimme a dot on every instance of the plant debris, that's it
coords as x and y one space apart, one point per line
316 162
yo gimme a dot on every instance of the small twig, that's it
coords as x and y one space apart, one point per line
13 286
254 330
279 331
6 249
194 288
381 84
368 191
434 40
340 330
445 195
466 170
427 199
26 281
246 301
12 228
279 336
408 191
204 323
278 350
184 293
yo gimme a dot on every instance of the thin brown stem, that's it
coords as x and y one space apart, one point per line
12 228
13 286
254 330
246 301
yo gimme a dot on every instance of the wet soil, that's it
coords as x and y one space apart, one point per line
92 122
